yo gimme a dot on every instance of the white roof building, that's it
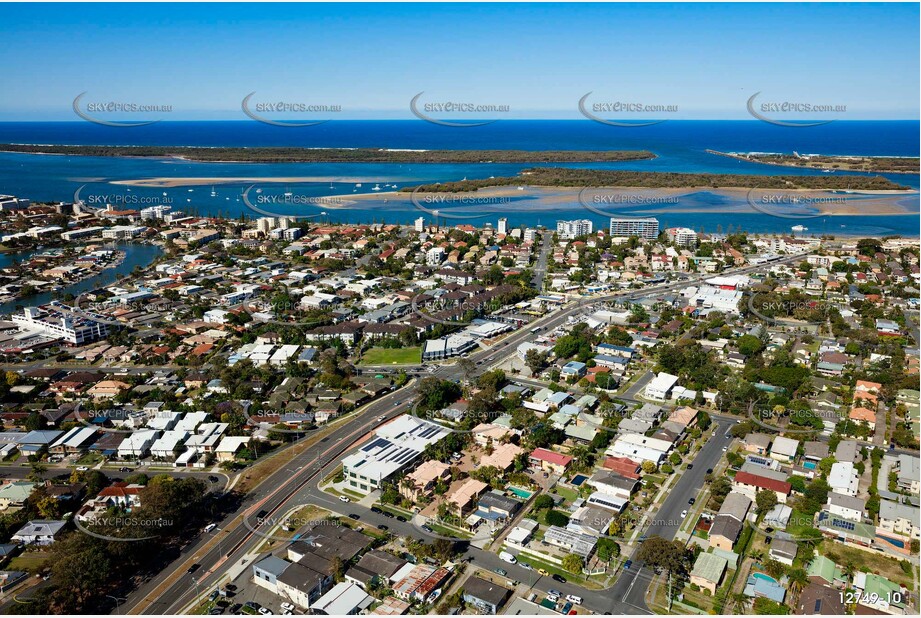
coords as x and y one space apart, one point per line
843 479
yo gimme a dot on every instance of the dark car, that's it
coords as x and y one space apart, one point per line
401 518
692 500
124 469
376 509
690 466
502 572
383 527
216 611
628 564
559 578
214 479
231 587
354 516
709 470
193 568
235 608
387 514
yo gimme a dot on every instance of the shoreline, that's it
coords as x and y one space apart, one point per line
747 158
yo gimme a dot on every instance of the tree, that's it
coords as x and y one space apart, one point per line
606 549
663 555
765 500
797 580
765 606
774 568
535 361
556 518
573 563
648 467
543 501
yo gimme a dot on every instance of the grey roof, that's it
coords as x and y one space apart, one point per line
893 510
736 505
726 526
272 565
784 548
493 594
816 450
848 502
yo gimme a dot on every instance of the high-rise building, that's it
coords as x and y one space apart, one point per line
682 236
503 226
572 229
644 227
420 224
265 224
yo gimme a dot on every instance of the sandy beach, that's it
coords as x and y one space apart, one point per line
172 182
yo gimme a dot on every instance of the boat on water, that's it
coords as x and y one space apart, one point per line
213 192
799 228
376 188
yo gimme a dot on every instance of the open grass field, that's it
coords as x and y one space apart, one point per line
392 356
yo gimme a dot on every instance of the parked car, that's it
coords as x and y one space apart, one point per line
555 593
574 599
383 527
344 499
354 516
692 500
193 568
507 557
376 509
559 578
628 564
502 572
684 513
287 605
543 572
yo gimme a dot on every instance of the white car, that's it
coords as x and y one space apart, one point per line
684 513
344 499
288 607
381 419
725 448
574 599
507 557
265 611
553 598
82 468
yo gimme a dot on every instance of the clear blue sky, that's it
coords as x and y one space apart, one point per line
537 58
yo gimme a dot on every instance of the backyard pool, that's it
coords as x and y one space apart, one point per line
578 479
521 493
809 465
764 576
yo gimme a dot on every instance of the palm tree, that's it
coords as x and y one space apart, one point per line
798 578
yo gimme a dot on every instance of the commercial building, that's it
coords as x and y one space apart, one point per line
53 321
393 450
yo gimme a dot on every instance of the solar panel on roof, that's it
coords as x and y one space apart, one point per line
818 606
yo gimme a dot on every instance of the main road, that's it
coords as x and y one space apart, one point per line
296 483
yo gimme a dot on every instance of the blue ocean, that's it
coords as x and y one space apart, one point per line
680 146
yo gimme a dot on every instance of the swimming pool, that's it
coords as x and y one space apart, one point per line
521 493
810 465
578 479
764 576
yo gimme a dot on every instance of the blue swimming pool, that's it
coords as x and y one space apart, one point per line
764 576
578 479
521 493
809 465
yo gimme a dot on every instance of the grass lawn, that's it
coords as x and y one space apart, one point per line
863 560
392 356
568 494
90 459
31 562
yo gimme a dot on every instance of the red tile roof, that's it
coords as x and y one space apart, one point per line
558 459
762 482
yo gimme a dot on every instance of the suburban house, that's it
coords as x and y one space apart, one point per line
708 571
